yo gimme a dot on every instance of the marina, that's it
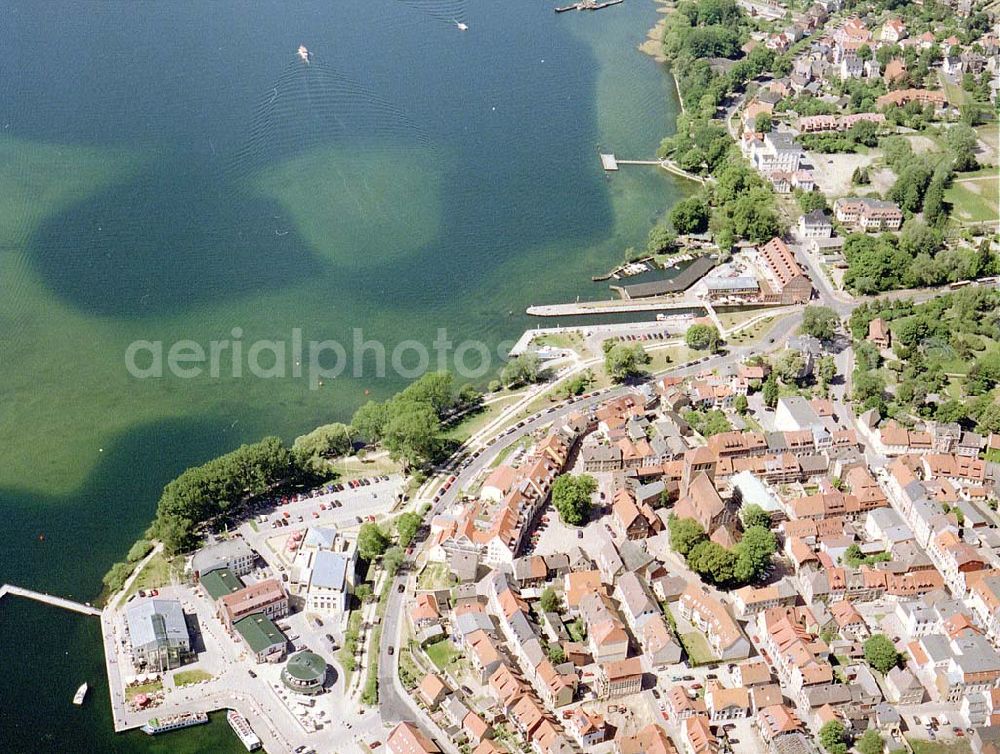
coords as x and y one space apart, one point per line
677 284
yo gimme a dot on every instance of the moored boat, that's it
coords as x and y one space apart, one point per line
80 694
174 722
241 727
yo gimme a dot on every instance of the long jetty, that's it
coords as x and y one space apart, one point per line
48 599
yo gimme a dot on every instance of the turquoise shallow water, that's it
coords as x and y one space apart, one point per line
171 171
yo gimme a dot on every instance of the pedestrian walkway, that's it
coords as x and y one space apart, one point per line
48 599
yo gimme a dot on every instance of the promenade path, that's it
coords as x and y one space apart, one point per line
48 599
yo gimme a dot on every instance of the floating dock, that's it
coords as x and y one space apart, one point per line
588 5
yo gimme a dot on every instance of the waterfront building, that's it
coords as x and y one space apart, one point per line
220 582
328 589
234 554
158 634
304 673
267 597
264 640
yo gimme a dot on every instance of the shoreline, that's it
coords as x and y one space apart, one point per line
653 46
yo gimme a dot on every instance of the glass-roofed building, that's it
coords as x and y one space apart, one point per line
158 634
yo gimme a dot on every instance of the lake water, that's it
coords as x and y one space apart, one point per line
172 171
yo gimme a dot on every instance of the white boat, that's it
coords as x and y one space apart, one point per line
461 26
80 694
241 726
304 53
174 722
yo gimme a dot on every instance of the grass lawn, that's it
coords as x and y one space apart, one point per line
570 341
186 677
345 655
974 200
356 468
143 688
696 646
442 653
922 746
475 422
154 575
435 576
663 359
755 332
956 95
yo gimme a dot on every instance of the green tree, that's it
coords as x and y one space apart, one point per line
820 322
521 370
753 515
392 559
880 653
826 369
139 550
411 431
690 216
364 592
372 541
311 450
871 742
789 366
763 122
406 527
549 601
812 200
435 389
833 737
769 392
935 211
917 237
701 337
369 420
571 496
623 361
753 553
115 578
713 561
715 423
961 139
685 534
661 238
740 404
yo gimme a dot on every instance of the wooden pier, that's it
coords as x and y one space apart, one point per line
48 599
610 163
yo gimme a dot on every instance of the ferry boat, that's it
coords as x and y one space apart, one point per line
241 727
174 722
304 53
80 694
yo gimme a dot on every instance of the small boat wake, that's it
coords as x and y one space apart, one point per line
451 12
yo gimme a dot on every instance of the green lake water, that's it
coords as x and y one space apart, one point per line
172 171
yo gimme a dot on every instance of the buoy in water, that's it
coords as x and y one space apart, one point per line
41 537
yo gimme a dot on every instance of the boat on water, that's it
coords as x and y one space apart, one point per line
461 26
80 694
303 52
241 727
174 722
